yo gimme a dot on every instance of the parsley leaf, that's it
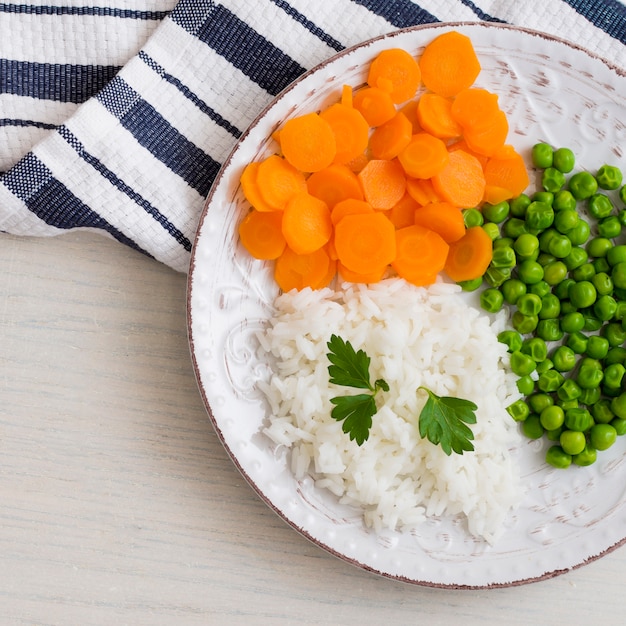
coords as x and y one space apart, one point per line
350 368
443 421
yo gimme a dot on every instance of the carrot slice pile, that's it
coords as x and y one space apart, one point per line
376 182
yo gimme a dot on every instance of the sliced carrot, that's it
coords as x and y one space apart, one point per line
506 170
365 242
424 157
278 181
331 272
410 111
375 104
490 138
308 142
334 184
420 254
350 129
461 144
474 107
250 187
354 277
402 213
306 223
356 165
297 271
383 183
389 139
346 95
449 64
442 217
434 113
470 256
461 182
422 191
349 207
261 234
396 71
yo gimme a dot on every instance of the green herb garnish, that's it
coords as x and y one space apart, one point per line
351 369
443 421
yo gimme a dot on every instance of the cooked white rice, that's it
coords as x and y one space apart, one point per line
415 337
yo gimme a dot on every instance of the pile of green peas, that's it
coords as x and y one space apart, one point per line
563 278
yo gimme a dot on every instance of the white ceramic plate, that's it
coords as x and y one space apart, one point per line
551 91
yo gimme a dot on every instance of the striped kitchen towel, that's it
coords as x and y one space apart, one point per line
116 116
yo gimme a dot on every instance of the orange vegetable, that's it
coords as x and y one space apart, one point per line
383 183
346 95
409 110
297 271
434 113
308 142
365 242
354 277
461 182
505 170
474 108
250 188
389 139
396 71
306 223
278 181
261 234
334 184
449 64
490 138
424 157
350 129
349 207
422 191
461 144
420 254
469 257
375 104
403 213
444 218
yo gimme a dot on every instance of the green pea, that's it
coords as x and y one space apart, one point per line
572 322
564 359
529 304
555 272
586 271
539 215
572 441
580 233
547 197
492 230
471 285
472 217
536 348
589 377
512 289
532 428
601 412
579 420
616 255
614 333
525 385
550 381
602 436
613 375
609 392
496 213
526 245
599 246
621 216
592 323
491 300
566 404
564 160
514 227
542 155
618 405
539 401
620 425
550 307
552 417
622 194
558 458
552 179
565 220
561 291
609 177
616 354
583 185
560 246
620 313
503 242
582 294
610 227
525 324
495 276
518 205
601 266
540 288
576 258
590 396
512 339
618 275
587 457
530 272
521 364
599 205
549 330
577 342
519 410
503 257
544 366
604 307
546 237
568 391
564 200
603 284
597 347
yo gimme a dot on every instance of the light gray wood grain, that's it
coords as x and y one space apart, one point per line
118 502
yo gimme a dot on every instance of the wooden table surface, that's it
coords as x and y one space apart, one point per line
119 504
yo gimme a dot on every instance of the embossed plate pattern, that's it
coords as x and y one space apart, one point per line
551 91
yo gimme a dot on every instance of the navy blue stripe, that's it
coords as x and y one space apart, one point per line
203 106
33 183
7 121
106 173
400 13
609 15
29 9
53 81
480 13
159 137
310 26
240 45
